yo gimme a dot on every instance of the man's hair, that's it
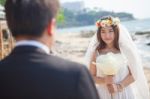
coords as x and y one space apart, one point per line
30 17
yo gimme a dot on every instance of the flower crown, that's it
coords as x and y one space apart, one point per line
107 22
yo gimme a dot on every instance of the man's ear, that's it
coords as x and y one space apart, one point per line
51 27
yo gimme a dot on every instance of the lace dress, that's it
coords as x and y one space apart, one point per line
123 71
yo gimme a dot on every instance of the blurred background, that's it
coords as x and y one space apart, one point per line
76 25
77 19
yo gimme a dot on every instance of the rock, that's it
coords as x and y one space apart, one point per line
58 42
142 32
148 44
133 37
148 36
87 34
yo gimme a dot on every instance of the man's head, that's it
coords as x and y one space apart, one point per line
31 18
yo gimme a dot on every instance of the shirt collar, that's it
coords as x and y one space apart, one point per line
33 43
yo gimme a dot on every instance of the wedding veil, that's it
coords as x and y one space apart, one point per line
129 50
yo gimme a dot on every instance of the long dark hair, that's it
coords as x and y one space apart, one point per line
102 44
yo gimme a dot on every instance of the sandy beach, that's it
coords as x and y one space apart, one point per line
73 46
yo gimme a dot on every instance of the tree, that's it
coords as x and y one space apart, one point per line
2 2
60 16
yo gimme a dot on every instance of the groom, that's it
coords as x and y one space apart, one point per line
30 71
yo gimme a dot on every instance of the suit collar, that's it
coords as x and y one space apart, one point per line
27 49
33 43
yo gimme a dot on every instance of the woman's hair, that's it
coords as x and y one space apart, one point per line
102 44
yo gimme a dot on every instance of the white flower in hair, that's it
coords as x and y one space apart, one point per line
115 21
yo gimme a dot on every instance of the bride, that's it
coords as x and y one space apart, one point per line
114 64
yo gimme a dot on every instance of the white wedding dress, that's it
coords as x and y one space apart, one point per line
127 93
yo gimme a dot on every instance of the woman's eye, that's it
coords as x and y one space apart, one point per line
103 31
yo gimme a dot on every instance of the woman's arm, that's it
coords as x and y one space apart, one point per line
124 83
128 80
98 80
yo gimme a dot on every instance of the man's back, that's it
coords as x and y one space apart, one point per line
28 72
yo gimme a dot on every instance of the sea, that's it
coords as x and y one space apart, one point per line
133 26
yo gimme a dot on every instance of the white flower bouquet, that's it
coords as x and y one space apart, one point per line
109 63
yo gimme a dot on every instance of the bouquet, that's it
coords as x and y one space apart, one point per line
109 63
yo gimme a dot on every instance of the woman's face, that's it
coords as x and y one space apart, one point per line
107 35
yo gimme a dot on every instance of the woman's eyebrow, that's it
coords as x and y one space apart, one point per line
103 31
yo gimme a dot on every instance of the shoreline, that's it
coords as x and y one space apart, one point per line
72 46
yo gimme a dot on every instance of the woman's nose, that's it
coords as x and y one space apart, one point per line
107 35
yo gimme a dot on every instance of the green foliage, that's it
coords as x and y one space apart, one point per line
60 16
86 17
2 2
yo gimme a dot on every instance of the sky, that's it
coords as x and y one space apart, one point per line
139 8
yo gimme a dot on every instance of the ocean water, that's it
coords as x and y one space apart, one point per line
133 26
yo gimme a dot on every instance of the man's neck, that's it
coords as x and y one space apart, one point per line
41 42
33 43
27 38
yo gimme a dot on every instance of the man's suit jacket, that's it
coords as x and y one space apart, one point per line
29 73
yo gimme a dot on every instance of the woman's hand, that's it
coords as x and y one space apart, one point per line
120 87
113 88
108 79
